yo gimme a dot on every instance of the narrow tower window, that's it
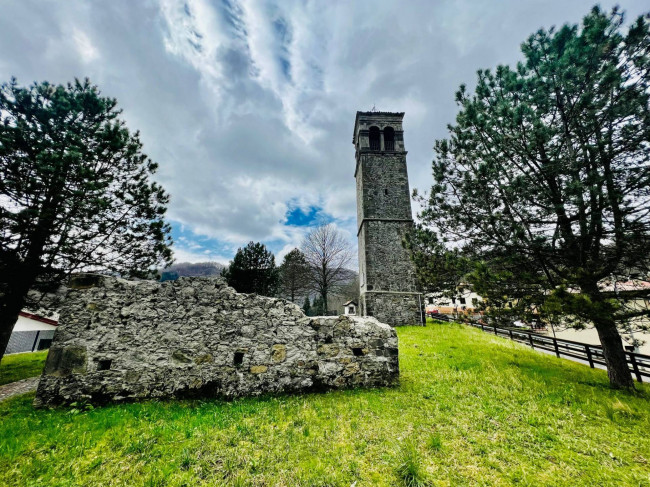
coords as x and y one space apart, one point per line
389 138
374 138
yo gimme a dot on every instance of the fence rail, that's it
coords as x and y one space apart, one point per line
638 363
440 317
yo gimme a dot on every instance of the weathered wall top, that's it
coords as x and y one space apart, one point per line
196 337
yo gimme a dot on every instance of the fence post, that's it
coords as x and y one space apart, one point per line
530 339
482 327
495 330
635 367
510 334
557 350
591 360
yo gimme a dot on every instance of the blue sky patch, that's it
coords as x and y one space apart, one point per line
187 243
298 217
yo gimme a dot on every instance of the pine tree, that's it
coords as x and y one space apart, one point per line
318 306
306 306
75 193
253 270
546 173
294 275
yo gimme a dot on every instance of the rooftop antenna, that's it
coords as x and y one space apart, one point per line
373 108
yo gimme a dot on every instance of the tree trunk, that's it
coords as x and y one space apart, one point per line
617 369
10 306
11 303
7 321
610 339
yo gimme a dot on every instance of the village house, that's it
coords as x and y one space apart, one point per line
32 332
465 301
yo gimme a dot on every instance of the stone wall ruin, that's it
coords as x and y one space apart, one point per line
124 340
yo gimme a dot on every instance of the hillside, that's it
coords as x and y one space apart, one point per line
471 409
187 269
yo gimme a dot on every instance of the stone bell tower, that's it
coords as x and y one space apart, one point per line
386 273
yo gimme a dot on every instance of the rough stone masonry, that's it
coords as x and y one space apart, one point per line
387 280
122 340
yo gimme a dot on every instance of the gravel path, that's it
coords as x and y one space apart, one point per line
20 387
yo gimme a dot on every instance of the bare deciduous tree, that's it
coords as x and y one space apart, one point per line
328 253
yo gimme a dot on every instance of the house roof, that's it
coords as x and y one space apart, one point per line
35 317
350 302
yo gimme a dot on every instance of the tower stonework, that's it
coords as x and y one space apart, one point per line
388 289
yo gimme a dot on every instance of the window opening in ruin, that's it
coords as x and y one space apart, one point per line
462 300
386 191
358 352
239 358
104 364
374 138
389 138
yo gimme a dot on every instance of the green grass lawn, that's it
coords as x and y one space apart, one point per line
471 409
21 366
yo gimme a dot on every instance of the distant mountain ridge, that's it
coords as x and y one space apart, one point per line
188 269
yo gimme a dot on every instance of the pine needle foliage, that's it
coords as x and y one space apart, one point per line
76 192
545 175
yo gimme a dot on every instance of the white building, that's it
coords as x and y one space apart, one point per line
31 333
464 301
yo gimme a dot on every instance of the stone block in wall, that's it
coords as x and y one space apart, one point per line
396 309
122 340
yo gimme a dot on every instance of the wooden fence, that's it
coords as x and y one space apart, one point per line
638 363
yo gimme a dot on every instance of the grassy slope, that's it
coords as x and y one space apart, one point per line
471 410
21 366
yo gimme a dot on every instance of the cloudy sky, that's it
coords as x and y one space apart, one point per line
249 106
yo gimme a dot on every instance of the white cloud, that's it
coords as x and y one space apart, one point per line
249 105
194 33
87 51
184 255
